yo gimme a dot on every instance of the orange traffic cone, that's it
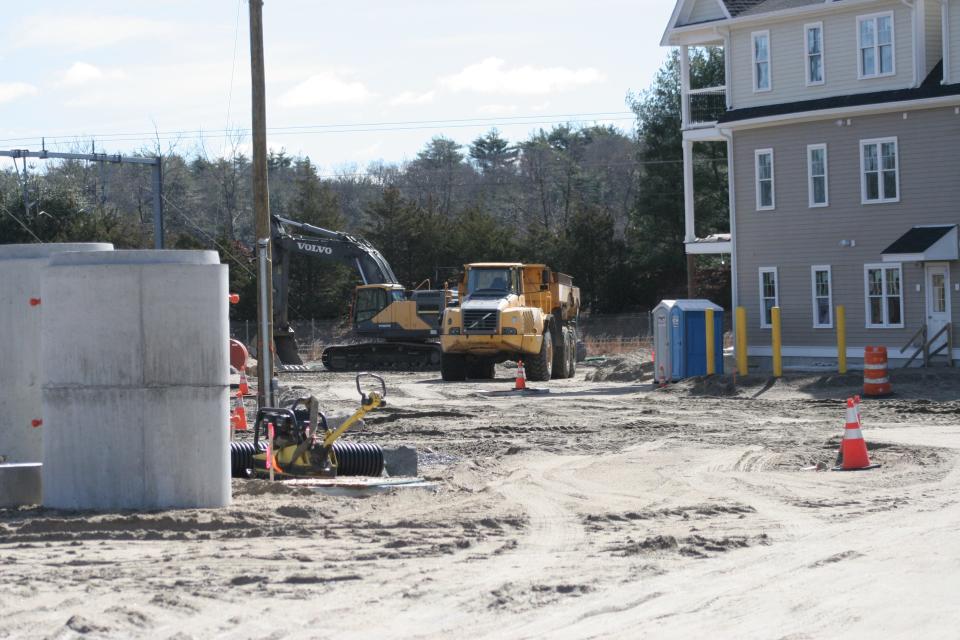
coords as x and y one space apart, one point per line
521 382
244 386
238 418
853 448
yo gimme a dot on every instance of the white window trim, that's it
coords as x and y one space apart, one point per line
769 61
776 298
773 180
863 174
866 295
813 293
826 177
806 55
893 45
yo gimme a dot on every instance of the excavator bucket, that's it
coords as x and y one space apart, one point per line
286 346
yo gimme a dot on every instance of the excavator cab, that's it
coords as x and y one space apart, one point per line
369 300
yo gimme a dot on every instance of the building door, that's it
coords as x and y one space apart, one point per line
938 300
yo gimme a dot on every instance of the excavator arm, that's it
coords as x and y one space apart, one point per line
292 237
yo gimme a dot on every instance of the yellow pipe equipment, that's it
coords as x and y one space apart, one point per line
841 339
776 343
711 346
742 367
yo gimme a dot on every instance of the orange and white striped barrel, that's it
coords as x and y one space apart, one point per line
876 377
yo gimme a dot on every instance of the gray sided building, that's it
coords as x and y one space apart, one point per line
842 123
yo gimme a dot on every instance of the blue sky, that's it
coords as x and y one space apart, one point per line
118 70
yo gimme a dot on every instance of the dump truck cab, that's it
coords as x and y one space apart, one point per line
511 311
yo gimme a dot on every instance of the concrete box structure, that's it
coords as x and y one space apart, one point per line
680 338
136 388
21 268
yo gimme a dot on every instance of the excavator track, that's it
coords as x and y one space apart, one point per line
383 356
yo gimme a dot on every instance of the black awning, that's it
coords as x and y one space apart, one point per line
923 244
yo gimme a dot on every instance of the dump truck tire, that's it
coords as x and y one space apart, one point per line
453 367
481 370
538 366
559 368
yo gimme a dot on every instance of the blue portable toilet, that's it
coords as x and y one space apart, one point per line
688 337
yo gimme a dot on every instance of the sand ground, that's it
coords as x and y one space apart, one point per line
606 509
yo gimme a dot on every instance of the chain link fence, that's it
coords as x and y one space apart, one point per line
602 334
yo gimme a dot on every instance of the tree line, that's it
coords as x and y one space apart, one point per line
601 204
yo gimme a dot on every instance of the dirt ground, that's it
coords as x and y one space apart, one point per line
605 509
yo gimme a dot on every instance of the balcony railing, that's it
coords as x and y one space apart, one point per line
705 106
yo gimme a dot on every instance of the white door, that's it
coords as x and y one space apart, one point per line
938 301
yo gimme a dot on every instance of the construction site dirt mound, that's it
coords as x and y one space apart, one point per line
635 366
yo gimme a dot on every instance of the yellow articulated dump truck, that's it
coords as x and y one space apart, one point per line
511 311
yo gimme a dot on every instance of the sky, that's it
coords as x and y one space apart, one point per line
347 83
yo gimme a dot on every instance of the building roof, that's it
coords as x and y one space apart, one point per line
931 88
753 7
925 243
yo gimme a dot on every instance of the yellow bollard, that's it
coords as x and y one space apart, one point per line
711 347
841 339
741 346
775 342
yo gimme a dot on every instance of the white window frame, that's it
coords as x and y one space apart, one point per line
768 61
826 176
876 46
813 292
807 55
773 180
776 298
884 267
863 174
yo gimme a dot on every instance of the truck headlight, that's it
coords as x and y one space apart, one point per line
509 331
454 331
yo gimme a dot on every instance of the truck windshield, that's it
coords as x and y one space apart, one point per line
493 282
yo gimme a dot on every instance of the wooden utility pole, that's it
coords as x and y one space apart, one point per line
261 200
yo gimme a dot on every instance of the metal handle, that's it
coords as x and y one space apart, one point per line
383 385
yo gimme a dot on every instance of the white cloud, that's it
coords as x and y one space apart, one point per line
10 91
89 32
81 73
324 88
409 97
491 76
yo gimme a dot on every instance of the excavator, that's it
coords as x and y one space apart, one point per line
398 328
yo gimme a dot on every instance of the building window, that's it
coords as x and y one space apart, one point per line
884 295
879 171
769 295
764 166
814 57
761 61
875 45
822 296
817 175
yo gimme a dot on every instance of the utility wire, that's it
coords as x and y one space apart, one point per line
233 72
402 125
21 223
196 226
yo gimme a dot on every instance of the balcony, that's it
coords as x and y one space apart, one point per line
704 106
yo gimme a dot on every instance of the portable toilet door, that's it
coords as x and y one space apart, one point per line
689 340
662 353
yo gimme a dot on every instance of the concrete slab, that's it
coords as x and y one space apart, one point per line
359 486
400 461
512 393
20 484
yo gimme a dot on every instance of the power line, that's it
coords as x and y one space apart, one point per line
21 223
196 226
233 72
358 127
